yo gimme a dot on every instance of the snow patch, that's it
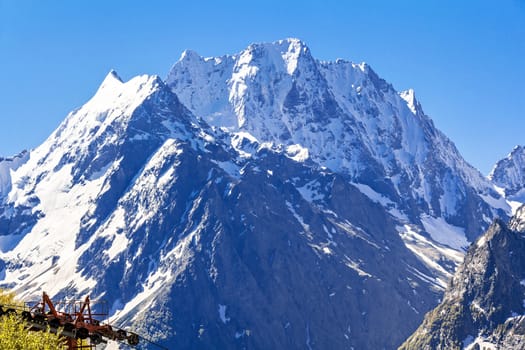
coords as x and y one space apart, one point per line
311 191
514 204
373 195
475 305
481 241
222 314
157 280
116 234
410 97
431 254
241 334
471 343
500 203
297 153
356 267
445 233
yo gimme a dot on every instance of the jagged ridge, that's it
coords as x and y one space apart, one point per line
348 119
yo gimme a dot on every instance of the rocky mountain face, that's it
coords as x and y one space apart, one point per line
260 200
509 175
483 307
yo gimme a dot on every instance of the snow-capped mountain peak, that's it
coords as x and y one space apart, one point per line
343 114
105 117
111 76
189 55
122 95
111 83
290 50
410 97
82 163
509 175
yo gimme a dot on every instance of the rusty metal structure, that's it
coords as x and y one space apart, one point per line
80 326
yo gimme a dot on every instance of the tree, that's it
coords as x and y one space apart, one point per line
15 334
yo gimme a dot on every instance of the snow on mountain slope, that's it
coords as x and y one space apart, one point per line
312 205
135 200
72 182
509 175
347 119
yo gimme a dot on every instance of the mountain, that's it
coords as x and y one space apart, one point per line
342 116
258 200
509 175
483 306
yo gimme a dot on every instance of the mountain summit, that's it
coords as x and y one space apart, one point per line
258 200
509 175
348 120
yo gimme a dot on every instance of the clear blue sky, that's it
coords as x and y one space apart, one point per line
465 59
